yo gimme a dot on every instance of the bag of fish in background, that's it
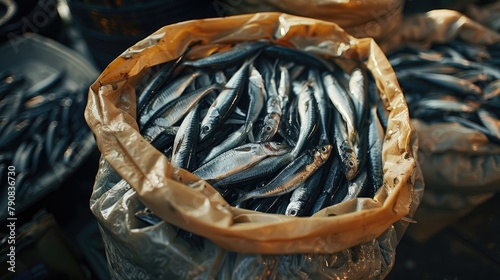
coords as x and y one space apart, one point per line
376 19
231 148
448 68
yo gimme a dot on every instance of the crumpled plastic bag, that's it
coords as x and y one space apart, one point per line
439 26
377 19
461 167
488 15
247 237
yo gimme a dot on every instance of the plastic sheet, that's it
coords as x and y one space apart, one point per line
439 26
154 252
365 18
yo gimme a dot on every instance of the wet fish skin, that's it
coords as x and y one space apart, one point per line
222 59
323 112
490 121
358 89
356 186
473 125
225 101
186 140
165 96
238 159
272 119
297 56
174 111
333 181
259 171
343 103
295 173
284 86
303 197
344 148
307 108
234 140
50 81
375 141
454 83
256 92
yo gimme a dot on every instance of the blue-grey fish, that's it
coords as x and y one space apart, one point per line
257 94
239 158
294 174
343 103
165 95
305 195
186 140
344 147
225 102
307 108
232 56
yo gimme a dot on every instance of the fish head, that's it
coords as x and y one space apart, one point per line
209 123
324 152
351 168
276 147
293 209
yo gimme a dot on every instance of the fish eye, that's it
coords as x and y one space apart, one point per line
324 149
268 128
206 128
293 212
350 163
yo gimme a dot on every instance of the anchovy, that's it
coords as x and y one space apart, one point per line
473 125
490 121
358 89
308 119
297 56
186 140
344 147
272 119
48 82
323 112
343 103
305 195
284 87
292 175
173 112
261 170
157 80
225 101
451 82
166 95
234 140
335 178
223 59
375 141
356 186
238 159
256 92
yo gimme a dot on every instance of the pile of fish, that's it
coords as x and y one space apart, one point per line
42 127
455 82
273 129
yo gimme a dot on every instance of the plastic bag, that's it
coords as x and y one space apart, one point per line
439 26
365 18
460 166
200 209
487 15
